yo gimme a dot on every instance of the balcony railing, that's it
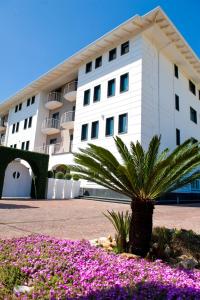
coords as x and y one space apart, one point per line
71 87
67 117
51 123
53 149
54 96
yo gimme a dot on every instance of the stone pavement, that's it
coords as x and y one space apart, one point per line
79 218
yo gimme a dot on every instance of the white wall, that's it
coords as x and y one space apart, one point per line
127 102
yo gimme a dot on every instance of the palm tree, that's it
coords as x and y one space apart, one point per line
141 175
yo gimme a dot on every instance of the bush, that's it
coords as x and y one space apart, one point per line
68 176
62 168
59 175
10 276
76 177
121 222
50 174
161 238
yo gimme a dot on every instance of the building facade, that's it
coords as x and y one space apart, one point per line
138 80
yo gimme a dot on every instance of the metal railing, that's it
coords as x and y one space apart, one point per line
71 87
53 149
51 123
54 96
67 117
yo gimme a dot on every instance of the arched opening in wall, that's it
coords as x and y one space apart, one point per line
18 179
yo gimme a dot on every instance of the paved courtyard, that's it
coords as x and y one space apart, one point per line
77 219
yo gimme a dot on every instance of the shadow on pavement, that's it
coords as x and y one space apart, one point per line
15 206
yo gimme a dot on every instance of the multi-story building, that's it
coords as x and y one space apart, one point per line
138 80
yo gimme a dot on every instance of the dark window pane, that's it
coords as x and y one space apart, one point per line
192 87
193 115
95 130
111 88
27 145
112 54
97 93
30 122
177 102
98 62
28 102
23 145
25 123
53 141
13 128
20 106
124 84
33 100
178 138
125 48
84 132
16 108
109 126
86 100
15 146
17 127
176 71
123 123
88 67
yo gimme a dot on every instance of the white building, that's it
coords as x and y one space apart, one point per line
140 79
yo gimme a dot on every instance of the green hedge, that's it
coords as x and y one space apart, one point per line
38 162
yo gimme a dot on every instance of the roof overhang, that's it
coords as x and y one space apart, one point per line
130 28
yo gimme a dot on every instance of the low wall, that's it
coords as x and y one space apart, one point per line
63 189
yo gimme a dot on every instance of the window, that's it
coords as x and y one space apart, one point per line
11 146
178 138
23 145
125 48
195 185
176 71
88 67
53 141
124 83
98 62
13 128
193 115
33 100
20 106
30 122
112 54
109 126
84 132
28 102
111 88
86 100
55 115
177 102
95 130
15 146
192 87
17 127
199 95
97 93
27 145
25 123
16 108
123 123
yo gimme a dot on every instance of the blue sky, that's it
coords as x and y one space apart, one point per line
36 35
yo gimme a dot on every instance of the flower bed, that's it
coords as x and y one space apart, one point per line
62 269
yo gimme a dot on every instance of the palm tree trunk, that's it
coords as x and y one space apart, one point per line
141 227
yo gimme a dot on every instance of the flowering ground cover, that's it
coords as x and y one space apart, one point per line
62 269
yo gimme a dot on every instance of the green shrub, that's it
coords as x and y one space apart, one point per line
76 177
161 238
59 175
121 222
68 176
62 168
10 276
50 174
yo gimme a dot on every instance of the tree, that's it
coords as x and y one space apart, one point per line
141 175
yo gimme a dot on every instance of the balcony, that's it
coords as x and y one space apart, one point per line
70 91
2 125
50 126
67 120
54 101
54 149
2 140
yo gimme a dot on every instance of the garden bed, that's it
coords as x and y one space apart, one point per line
62 269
